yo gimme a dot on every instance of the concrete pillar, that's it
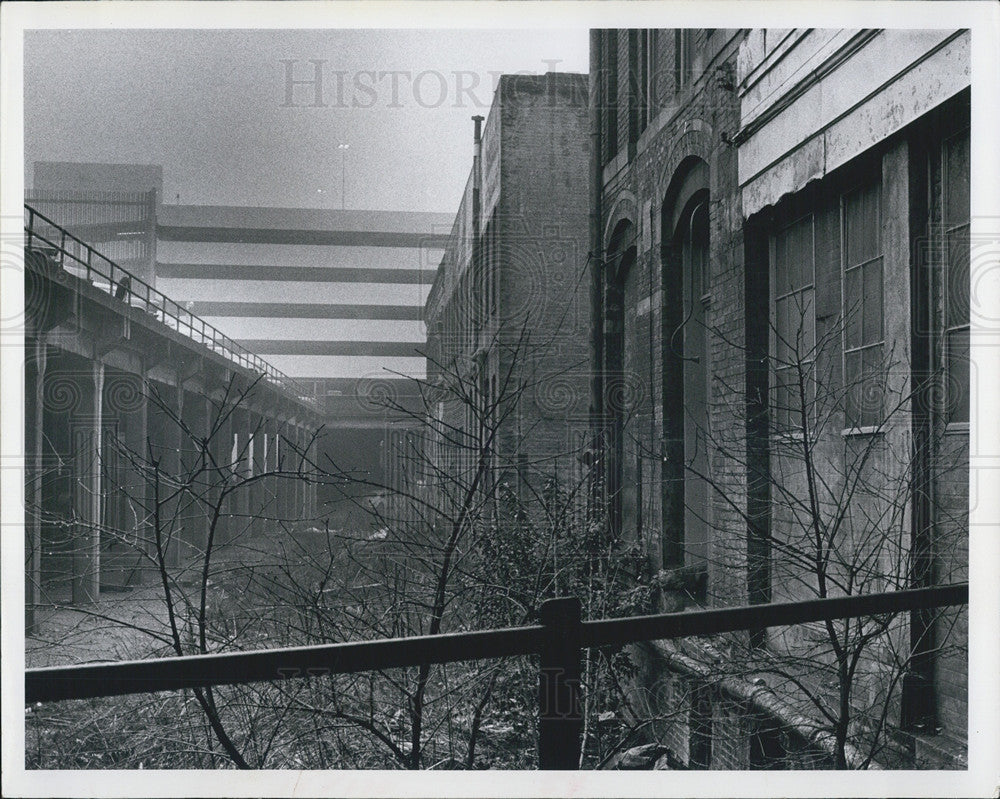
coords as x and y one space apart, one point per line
34 418
164 449
238 441
289 463
274 484
250 455
313 455
269 485
195 513
258 493
300 495
304 513
137 499
280 483
175 465
122 395
241 470
222 451
261 488
87 443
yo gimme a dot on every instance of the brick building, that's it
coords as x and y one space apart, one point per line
781 331
507 312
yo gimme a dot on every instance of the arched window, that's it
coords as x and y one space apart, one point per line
686 368
618 267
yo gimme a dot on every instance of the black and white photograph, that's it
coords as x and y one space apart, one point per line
459 399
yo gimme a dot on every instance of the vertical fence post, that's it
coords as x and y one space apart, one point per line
560 723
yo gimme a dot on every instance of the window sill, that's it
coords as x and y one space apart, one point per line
787 439
956 429
867 430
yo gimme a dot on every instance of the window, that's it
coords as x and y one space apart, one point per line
864 333
683 57
649 83
636 83
494 266
641 72
610 92
955 214
793 333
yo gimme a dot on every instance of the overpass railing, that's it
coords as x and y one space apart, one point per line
558 641
60 249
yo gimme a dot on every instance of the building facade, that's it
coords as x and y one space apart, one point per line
781 332
874 184
507 314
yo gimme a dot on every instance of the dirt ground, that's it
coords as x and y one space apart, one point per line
131 624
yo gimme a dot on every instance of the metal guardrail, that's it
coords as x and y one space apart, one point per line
78 258
558 640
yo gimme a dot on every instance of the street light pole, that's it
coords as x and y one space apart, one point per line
343 174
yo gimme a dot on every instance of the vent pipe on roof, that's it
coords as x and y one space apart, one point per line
478 136
477 178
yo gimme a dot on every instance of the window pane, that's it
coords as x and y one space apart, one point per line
780 331
958 376
804 251
779 406
861 225
872 301
957 190
782 278
806 321
873 386
958 278
853 387
787 417
852 308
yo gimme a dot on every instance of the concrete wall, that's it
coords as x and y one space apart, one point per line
811 100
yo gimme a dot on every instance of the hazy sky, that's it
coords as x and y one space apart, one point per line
210 107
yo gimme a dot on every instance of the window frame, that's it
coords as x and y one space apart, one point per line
948 330
851 426
789 434
684 53
649 86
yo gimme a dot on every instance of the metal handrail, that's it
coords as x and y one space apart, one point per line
137 293
558 640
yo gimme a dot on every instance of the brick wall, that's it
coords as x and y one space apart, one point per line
542 218
533 345
687 127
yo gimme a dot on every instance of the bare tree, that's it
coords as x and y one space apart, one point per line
832 474
185 506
